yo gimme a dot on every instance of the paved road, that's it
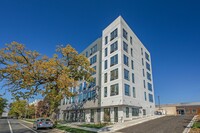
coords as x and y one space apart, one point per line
168 124
18 126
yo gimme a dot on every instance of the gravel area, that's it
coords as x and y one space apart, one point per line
168 124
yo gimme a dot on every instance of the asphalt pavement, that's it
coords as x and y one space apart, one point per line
18 126
168 124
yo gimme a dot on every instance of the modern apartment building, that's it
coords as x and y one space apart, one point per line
123 86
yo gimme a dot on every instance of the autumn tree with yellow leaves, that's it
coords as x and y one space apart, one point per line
26 73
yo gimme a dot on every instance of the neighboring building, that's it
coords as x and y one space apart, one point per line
180 109
123 80
35 102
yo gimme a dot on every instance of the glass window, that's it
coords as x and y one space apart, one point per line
105 78
93 59
131 52
145 96
125 34
148 66
148 76
131 40
126 60
142 61
93 73
132 64
149 86
150 98
114 60
125 47
141 51
86 54
144 83
127 112
93 49
107 114
133 78
135 112
113 34
146 56
134 94
114 74
126 74
143 72
105 92
106 40
114 90
113 47
106 52
106 64
127 89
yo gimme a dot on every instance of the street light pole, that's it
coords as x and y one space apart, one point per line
159 102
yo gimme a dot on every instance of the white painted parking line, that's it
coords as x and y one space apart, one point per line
28 127
11 131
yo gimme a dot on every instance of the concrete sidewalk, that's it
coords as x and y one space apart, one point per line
116 126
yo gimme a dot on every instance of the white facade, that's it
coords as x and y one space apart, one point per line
122 91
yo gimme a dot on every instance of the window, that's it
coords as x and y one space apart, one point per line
149 86
106 40
127 112
107 114
134 94
127 89
106 64
64 101
114 60
105 92
146 56
148 76
148 66
93 59
131 52
114 90
105 78
125 34
113 47
125 47
126 74
132 64
106 52
143 73
93 49
86 54
133 78
141 51
144 83
131 40
113 34
114 74
145 96
126 60
80 97
135 112
150 98
93 73
142 61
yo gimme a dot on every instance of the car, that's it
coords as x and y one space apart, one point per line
42 123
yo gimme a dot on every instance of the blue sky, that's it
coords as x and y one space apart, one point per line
169 29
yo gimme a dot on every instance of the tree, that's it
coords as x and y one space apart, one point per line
18 108
3 104
31 111
26 73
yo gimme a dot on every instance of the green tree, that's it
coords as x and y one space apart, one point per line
26 73
3 105
18 108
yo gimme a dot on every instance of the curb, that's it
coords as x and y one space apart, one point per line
187 129
27 121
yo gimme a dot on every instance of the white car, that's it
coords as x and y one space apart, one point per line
42 123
